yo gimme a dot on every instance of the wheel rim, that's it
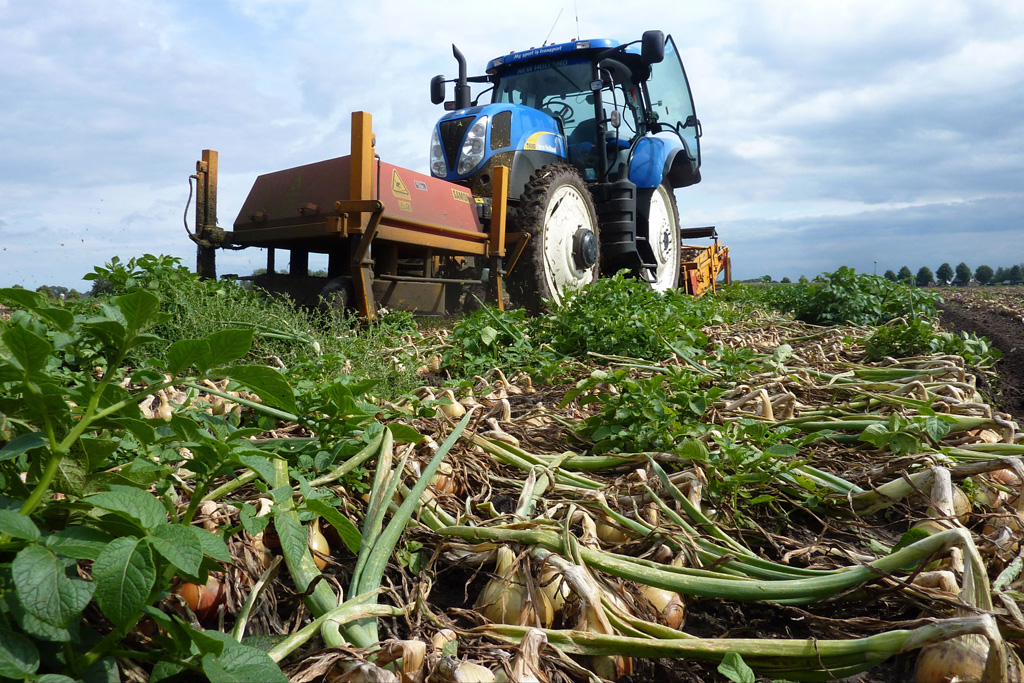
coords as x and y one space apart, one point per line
566 216
664 235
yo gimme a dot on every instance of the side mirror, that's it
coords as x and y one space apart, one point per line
437 89
652 47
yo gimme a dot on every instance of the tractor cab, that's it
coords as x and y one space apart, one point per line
600 91
619 117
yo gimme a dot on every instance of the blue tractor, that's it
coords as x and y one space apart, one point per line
597 136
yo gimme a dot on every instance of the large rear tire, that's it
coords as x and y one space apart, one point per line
663 232
563 252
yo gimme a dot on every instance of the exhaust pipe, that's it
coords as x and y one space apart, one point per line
462 90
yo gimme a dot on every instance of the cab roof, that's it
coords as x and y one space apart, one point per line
547 52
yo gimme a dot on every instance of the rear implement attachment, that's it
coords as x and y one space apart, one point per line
393 237
701 265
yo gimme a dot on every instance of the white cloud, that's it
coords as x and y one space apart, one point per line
813 112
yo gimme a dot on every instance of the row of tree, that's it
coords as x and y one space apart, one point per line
946 274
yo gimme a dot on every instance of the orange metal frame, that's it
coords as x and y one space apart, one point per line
701 274
430 214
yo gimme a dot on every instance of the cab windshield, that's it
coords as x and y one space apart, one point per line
560 88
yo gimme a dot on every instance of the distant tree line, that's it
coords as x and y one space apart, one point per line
55 291
962 274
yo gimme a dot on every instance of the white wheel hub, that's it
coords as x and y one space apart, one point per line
566 216
664 235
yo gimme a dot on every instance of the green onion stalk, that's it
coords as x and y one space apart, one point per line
793 591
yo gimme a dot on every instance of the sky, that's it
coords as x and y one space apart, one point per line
872 133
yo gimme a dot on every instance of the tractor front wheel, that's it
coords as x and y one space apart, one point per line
663 232
562 255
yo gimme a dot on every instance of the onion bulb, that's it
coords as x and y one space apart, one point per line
164 411
963 659
1006 477
451 670
453 410
961 505
203 600
506 600
555 587
318 545
442 638
669 604
609 532
444 479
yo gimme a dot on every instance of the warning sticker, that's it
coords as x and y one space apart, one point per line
461 196
404 205
398 187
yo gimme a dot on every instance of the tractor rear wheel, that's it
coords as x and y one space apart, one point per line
663 232
562 255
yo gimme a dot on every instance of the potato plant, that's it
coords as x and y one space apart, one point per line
89 518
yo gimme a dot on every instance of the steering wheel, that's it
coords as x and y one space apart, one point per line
560 110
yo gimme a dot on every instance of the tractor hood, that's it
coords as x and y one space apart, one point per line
464 141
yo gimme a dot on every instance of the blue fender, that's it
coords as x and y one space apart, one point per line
656 160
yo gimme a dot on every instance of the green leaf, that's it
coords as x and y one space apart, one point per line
18 525
136 504
72 472
267 383
242 664
782 353
184 353
876 434
905 443
782 450
62 319
348 531
139 309
18 656
33 626
212 544
78 542
936 427
164 670
294 536
110 333
735 669
261 465
54 678
179 546
22 444
488 334
403 433
23 298
209 642
124 574
28 352
45 591
694 450
250 522
227 346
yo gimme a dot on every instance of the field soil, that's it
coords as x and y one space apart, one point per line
998 314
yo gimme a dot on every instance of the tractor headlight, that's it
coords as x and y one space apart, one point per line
473 146
438 167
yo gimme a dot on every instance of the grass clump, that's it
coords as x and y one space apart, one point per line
285 335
